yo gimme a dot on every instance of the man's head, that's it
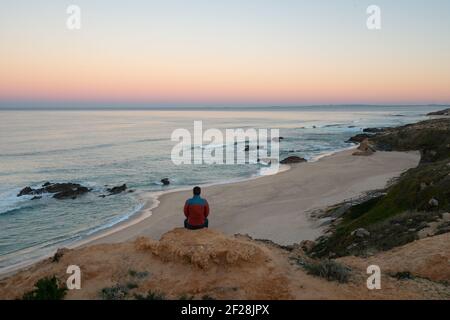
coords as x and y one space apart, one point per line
197 191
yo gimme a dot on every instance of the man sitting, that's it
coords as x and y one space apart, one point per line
196 211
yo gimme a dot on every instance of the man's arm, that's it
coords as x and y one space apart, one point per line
186 209
206 212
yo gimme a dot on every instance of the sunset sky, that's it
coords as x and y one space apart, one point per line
228 52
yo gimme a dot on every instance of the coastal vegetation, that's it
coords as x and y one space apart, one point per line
48 288
418 200
328 269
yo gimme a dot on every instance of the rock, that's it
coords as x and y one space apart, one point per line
358 138
293 159
247 148
278 139
314 127
429 231
423 186
59 254
117 190
374 130
446 216
165 181
445 112
60 190
433 202
307 245
364 149
26 191
71 193
36 198
339 212
130 191
360 233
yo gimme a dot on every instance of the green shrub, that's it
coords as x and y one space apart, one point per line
117 292
328 269
132 285
151 295
47 289
404 275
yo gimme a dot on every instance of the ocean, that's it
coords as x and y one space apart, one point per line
102 149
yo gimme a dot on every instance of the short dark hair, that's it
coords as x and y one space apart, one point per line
197 191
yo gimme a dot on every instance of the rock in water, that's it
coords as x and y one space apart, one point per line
117 190
445 112
71 193
374 130
26 191
60 190
293 159
165 181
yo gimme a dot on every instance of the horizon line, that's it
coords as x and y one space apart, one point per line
216 107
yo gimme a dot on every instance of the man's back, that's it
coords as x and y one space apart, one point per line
196 210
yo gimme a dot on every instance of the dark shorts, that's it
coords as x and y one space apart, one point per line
190 227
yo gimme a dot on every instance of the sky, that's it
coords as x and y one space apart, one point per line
224 53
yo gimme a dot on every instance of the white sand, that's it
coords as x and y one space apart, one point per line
275 207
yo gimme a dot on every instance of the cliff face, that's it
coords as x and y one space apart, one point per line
206 264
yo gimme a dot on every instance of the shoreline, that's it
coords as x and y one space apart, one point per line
148 207
146 210
151 201
165 214
142 221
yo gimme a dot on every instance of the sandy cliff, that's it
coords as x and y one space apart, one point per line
206 263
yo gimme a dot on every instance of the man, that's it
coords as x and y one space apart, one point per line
196 211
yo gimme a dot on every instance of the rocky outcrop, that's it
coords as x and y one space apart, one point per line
165 181
26 191
445 112
59 190
430 137
307 245
360 233
117 190
293 159
359 138
71 193
374 130
364 149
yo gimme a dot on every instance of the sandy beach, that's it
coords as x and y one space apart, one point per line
274 207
